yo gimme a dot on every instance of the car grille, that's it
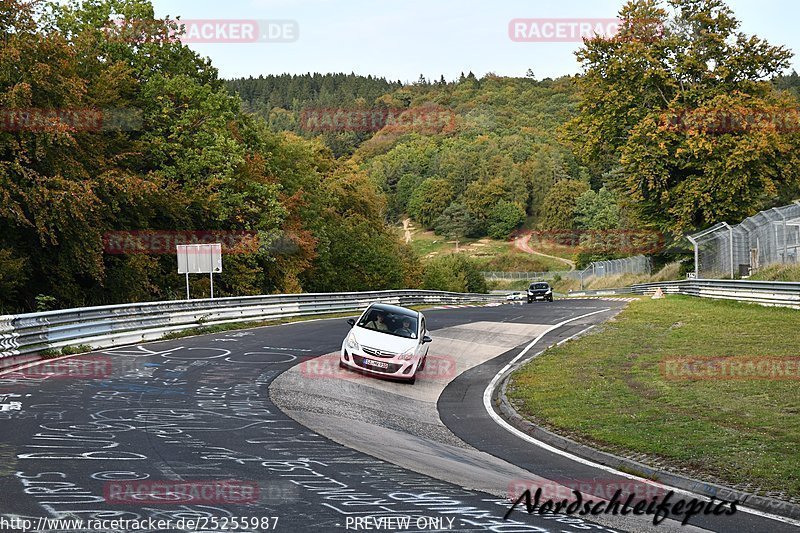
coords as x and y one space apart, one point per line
377 353
357 359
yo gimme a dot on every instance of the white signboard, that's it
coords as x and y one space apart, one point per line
199 258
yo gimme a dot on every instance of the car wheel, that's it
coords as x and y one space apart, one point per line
530 301
422 363
341 364
412 379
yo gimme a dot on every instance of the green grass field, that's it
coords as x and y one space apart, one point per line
426 243
491 254
608 389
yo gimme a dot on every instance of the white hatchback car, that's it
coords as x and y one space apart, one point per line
388 341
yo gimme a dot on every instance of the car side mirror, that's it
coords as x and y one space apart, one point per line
426 339
351 321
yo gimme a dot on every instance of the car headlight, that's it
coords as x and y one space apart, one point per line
549 291
352 343
408 355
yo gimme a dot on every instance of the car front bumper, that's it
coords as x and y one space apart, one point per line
540 296
391 368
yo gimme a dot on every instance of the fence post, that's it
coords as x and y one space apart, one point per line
785 255
696 256
730 238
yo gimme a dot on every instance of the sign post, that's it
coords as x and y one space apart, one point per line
199 259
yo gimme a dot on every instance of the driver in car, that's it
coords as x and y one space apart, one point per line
377 322
405 330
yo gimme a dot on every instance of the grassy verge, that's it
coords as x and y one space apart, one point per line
778 273
607 389
54 353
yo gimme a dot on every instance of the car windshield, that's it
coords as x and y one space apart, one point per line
539 286
393 323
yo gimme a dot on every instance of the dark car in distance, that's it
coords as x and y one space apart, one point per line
540 290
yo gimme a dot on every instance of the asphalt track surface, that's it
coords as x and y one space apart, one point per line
198 410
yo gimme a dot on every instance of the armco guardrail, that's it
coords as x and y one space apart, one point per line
774 293
602 292
114 325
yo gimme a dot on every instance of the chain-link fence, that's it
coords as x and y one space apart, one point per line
529 276
768 238
639 264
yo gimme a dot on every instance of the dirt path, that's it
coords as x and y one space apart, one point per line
407 228
523 243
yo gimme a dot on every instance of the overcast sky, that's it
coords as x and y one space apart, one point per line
401 39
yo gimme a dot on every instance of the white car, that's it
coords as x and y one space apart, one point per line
388 341
514 296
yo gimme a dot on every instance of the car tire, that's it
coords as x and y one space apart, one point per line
341 364
530 301
412 379
422 363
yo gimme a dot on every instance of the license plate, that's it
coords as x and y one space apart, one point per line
378 364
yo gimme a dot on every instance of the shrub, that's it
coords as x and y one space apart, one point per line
454 273
44 303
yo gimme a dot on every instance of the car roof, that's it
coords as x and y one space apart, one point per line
394 309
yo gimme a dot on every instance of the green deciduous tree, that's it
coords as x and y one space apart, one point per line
660 99
597 210
504 219
429 200
456 222
188 158
560 204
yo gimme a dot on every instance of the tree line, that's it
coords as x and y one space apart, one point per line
669 127
676 123
189 159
